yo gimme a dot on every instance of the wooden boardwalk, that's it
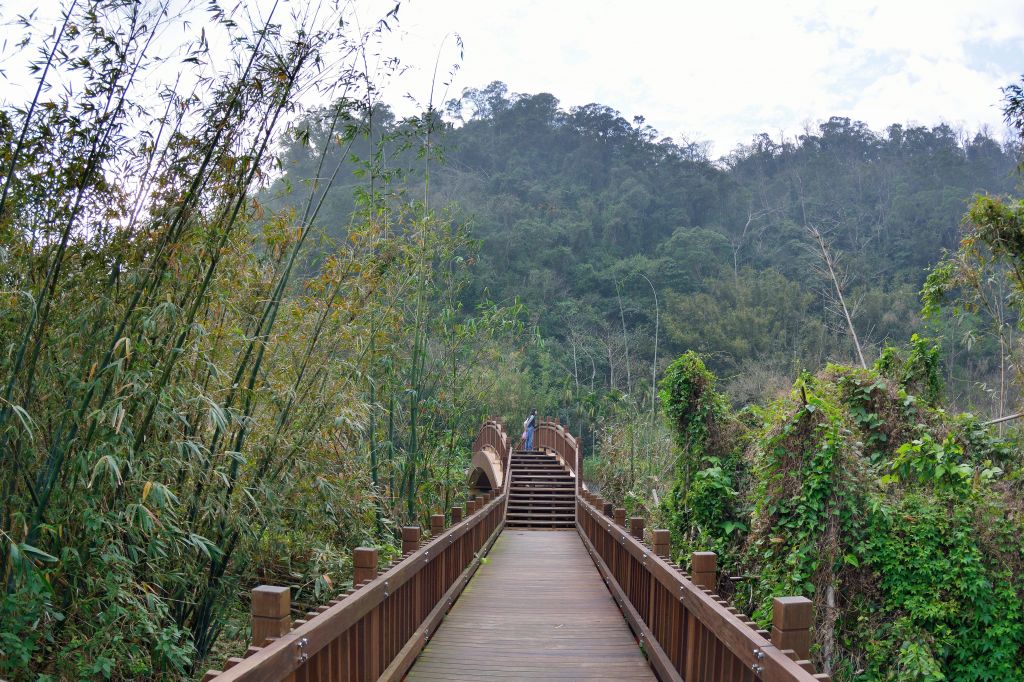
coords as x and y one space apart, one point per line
537 610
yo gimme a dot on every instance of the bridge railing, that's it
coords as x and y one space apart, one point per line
551 435
687 631
492 433
376 630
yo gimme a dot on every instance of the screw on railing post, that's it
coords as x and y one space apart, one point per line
271 613
607 509
410 538
456 515
791 622
662 543
636 527
436 525
619 515
705 570
364 561
470 507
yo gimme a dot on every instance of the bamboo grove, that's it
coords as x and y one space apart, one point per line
198 391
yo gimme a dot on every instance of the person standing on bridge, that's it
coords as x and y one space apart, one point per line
530 425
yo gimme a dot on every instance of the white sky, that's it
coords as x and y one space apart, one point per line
726 70
721 71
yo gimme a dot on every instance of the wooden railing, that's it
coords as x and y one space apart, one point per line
379 627
687 631
492 433
551 435
376 630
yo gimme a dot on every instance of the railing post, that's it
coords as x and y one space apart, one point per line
636 527
791 622
410 538
436 525
470 507
607 509
662 543
364 561
456 515
619 516
705 570
271 613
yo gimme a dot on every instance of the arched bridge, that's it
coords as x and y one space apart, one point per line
535 577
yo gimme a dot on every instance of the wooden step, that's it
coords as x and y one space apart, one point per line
557 468
535 486
539 470
540 517
528 525
540 509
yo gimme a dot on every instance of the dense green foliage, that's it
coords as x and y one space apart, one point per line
619 240
221 365
574 206
200 391
861 491
885 510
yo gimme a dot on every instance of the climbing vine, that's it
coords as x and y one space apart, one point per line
859 491
702 508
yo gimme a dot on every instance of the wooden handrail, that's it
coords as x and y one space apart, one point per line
492 433
379 628
551 435
377 631
688 632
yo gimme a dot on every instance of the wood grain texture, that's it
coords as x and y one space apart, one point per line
537 610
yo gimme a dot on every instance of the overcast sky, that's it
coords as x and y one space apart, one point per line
718 70
725 70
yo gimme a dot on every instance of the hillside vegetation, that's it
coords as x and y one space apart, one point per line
586 217
873 490
240 338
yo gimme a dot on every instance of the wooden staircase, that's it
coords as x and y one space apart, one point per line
541 492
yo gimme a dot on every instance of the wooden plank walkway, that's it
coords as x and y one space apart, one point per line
537 610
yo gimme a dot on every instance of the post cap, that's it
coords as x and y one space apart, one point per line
270 601
704 562
411 533
792 613
364 557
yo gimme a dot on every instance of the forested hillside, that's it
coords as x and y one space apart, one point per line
590 219
575 208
